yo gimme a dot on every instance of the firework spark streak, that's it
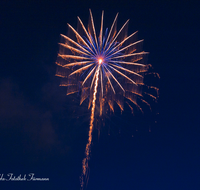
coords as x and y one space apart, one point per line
87 149
103 69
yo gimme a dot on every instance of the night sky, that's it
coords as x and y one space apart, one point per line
43 131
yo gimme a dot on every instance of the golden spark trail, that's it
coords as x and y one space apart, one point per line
87 149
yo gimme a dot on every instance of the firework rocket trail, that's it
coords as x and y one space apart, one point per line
87 149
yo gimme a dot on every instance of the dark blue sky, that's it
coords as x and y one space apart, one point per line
42 131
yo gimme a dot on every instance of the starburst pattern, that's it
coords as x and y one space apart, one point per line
104 69
122 63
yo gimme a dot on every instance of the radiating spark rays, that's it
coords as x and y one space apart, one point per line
111 107
101 83
101 31
87 149
117 34
129 63
75 43
122 74
130 107
72 92
129 55
122 109
79 37
109 81
120 44
81 69
72 57
122 68
108 38
77 63
140 95
146 103
60 76
88 36
88 75
115 79
95 36
151 95
116 52
73 49
135 104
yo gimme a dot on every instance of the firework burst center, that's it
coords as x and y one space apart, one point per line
100 61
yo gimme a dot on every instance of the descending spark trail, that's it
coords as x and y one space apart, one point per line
87 149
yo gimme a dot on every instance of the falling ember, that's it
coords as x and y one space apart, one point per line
107 68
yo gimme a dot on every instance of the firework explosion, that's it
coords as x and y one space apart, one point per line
105 69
